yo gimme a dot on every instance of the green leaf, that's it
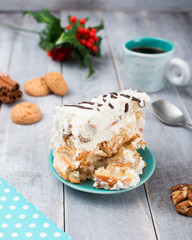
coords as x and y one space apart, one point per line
79 50
84 61
68 18
98 44
87 62
100 26
43 16
52 30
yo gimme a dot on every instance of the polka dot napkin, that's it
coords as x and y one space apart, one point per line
19 219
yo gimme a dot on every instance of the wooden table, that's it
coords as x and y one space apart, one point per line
144 213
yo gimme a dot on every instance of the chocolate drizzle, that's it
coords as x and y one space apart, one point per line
111 106
91 103
141 103
83 107
126 107
113 95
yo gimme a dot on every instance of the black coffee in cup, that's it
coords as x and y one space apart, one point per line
147 50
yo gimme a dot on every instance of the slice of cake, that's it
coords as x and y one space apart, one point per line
98 140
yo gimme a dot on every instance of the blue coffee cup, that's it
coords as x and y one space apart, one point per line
148 71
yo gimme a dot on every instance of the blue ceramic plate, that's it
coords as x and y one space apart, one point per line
88 185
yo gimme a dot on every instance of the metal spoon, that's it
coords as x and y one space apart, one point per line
169 113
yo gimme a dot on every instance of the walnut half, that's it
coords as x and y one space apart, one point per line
182 196
185 208
179 195
177 187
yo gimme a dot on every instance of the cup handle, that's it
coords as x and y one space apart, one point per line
178 79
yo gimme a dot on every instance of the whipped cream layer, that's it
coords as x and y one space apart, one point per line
90 123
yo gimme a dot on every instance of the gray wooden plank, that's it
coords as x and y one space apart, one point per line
7 40
88 216
24 149
178 5
171 146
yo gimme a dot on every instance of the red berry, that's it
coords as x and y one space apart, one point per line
59 54
60 57
91 41
73 19
86 30
48 53
82 21
69 26
78 35
80 30
94 49
91 35
89 45
94 30
96 38
83 41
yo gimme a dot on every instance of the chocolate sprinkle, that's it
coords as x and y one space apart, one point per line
111 106
134 99
113 96
91 103
114 93
79 107
124 95
126 107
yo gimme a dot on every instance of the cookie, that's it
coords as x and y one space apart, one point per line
36 87
56 83
25 113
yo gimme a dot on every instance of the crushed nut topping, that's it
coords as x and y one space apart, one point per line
83 139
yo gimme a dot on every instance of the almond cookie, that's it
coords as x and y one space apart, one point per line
36 87
56 83
25 113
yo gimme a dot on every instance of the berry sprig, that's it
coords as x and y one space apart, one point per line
75 38
82 39
87 38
